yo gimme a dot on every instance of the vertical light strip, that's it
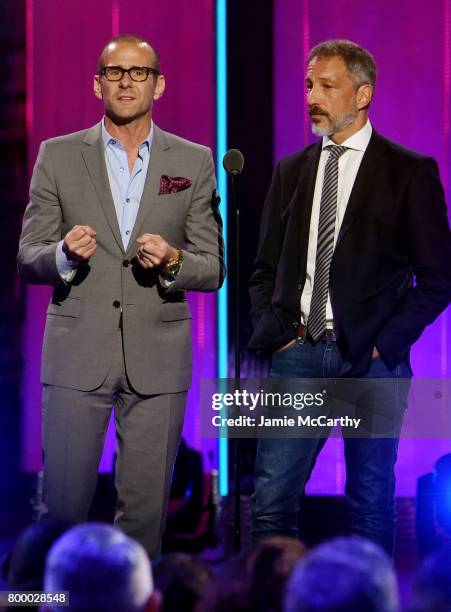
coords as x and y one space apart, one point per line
115 14
339 472
447 146
28 423
305 52
201 321
29 75
221 147
447 78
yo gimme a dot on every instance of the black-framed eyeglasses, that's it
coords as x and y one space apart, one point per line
136 73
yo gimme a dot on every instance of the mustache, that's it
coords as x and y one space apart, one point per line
316 110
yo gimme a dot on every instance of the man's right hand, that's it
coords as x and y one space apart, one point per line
80 243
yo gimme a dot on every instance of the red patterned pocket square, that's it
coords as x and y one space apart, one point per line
173 184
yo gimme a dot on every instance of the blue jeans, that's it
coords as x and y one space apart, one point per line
283 466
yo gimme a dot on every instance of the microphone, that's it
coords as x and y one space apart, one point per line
233 162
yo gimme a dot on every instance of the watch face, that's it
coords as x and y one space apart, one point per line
173 269
173 266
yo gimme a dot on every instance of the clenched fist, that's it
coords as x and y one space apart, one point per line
154 251
80 243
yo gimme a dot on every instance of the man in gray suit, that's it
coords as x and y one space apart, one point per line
123 219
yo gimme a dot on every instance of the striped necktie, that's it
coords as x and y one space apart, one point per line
325 246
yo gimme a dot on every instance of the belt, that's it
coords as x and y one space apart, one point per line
329 335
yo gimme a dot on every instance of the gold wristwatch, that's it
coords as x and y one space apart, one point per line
172 267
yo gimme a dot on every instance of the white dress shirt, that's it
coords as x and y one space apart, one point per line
348 166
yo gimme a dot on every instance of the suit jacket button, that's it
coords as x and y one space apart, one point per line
125 263
116 303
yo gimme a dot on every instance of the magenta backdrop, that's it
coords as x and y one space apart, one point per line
64 40
411 42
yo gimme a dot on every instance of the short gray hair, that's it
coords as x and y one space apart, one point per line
345 575
102 569
359 62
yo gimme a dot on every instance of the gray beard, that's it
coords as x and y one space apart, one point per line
334 126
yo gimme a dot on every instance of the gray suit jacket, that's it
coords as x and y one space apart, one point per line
70 186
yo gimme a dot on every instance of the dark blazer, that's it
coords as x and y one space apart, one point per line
390 274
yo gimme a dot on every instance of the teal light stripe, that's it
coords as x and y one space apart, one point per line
221 148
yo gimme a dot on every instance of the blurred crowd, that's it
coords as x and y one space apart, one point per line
104 571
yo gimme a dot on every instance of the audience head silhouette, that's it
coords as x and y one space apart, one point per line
102 569
343 575
432 591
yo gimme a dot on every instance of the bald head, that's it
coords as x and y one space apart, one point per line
139 42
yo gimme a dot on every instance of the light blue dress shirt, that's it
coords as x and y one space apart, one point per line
126 188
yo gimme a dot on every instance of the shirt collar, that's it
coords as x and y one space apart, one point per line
108 139
358 141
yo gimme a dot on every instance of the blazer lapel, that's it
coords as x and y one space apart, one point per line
303 204
363 185
306 184
151 189
94 158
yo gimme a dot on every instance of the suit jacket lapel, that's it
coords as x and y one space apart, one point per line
306 184
304 202
94 158
364 185
149 196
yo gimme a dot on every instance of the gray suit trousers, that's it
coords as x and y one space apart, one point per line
148 430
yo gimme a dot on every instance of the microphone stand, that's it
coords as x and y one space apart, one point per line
237 361
233 162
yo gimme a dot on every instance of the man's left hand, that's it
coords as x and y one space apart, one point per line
376 353
154 251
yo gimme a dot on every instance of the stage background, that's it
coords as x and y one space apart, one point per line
268 44
64 41
411 43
